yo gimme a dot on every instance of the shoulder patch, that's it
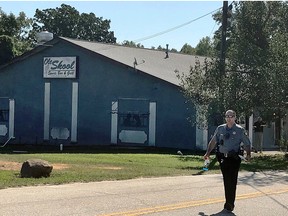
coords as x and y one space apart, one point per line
239 126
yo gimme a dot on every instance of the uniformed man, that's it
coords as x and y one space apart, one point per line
258 129
229 138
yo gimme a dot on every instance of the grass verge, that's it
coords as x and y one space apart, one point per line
81 167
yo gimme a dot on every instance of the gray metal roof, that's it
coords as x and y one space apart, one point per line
153 62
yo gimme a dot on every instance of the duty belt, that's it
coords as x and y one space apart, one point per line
228 155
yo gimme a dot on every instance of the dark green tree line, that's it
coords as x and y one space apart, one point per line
66 21
17 34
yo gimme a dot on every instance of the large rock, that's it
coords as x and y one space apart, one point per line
35 168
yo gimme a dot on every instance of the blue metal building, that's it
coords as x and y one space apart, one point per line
88 93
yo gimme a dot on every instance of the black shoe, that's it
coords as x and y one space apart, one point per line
224 212
228 207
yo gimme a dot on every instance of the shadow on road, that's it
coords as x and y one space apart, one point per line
221 213
264 178
255 180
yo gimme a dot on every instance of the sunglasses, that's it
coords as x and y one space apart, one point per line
229 116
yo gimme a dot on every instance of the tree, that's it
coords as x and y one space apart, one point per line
160 48
187 49
277 64
254 59
132 44
7 49
173 50
67 22
254 76
204 47
14 35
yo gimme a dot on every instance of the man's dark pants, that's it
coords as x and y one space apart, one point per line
230 168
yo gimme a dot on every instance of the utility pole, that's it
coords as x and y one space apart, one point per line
222 57
223 38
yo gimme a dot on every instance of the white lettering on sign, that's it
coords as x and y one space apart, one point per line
59 67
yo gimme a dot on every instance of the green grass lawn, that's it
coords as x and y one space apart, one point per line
81 167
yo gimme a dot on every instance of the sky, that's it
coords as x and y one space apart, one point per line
150 23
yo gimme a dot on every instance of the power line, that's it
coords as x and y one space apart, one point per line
212 29
174 28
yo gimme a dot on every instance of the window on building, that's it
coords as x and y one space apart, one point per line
134 119
4 115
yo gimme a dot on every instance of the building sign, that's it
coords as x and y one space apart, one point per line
59 67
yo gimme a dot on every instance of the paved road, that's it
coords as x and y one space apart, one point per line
259 194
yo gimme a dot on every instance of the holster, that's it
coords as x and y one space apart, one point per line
231 154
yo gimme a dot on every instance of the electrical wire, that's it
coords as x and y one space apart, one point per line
174 28
212 29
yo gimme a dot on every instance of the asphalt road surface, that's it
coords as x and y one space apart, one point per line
259 194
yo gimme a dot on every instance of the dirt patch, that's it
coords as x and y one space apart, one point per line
60 166
8 165
108 167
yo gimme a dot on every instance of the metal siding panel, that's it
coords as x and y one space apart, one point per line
152 123
74 112
11 117
46 111
114 122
